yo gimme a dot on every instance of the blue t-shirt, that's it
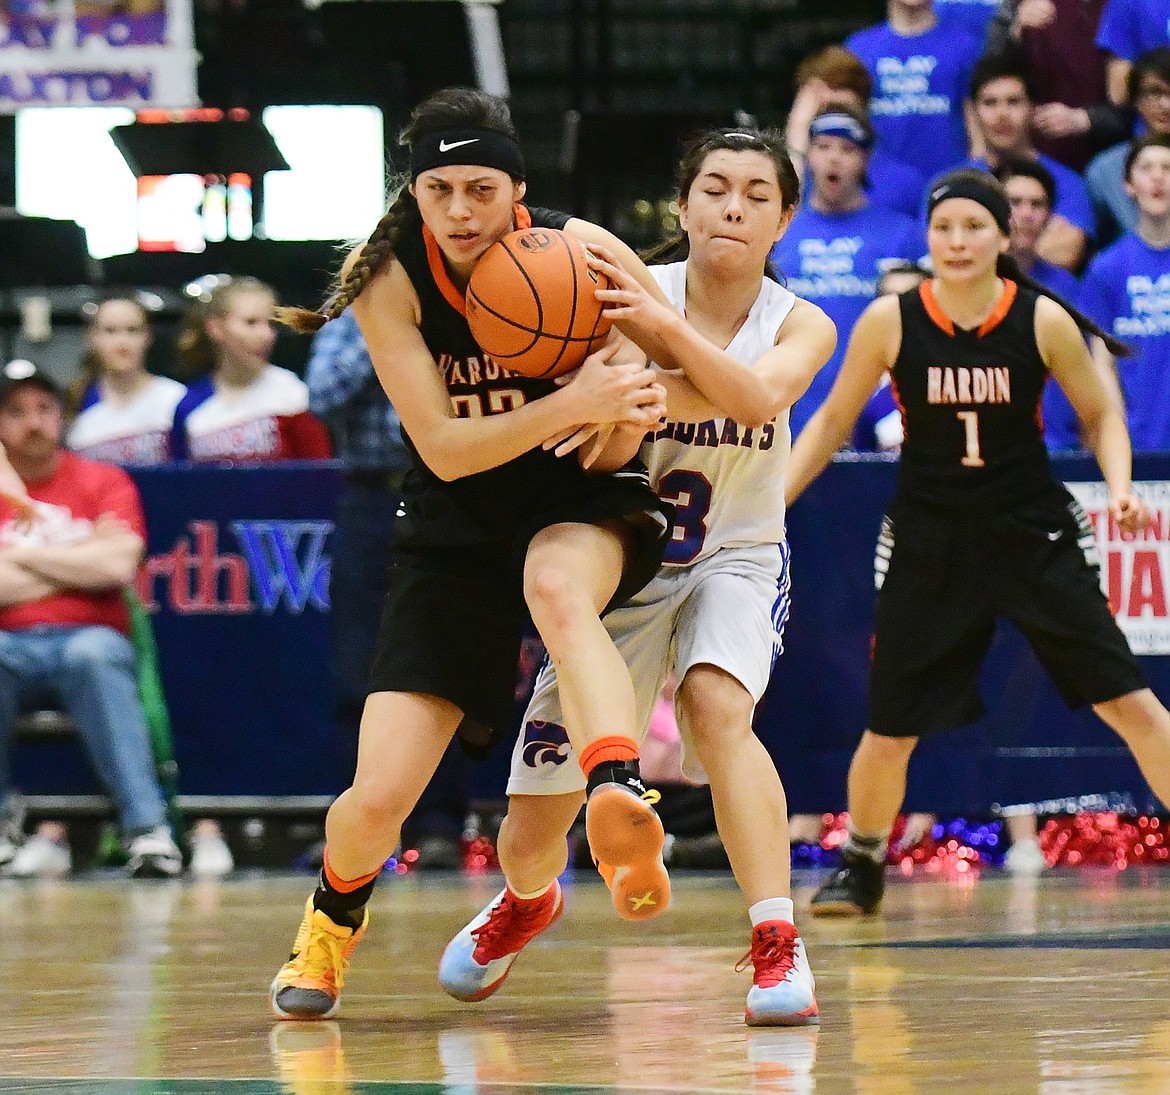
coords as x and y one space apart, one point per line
888 184
1129 28
834 260
1072 195
893 184
976 15
920 83
1126 290
1062 428
1115 210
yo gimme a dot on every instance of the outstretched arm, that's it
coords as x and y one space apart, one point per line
719 385
873 346
12 490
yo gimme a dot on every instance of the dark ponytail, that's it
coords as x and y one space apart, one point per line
1007 267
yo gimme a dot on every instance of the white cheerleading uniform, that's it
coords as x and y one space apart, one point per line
721 596
268 420
137 432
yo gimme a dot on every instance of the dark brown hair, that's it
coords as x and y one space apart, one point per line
1007 267
1150 140
768 142
450 108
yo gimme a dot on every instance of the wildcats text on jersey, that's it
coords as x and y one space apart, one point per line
975 385
710 435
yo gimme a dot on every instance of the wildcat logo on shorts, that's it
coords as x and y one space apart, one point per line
545 743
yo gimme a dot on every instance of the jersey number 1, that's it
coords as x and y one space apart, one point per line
970 420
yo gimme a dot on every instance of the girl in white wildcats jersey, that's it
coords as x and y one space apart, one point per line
687 459
736 350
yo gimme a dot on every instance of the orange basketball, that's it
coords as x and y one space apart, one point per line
531 303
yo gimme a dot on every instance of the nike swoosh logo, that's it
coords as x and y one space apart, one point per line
445 146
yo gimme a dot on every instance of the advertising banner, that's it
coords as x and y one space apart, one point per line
1134 568
93 53
237 584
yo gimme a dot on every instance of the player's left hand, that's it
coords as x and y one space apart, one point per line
1056 120
1129 512
26 508
594 434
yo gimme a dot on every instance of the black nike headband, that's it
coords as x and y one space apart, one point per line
482 147
970 186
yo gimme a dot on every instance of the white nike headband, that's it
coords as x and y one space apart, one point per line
482 147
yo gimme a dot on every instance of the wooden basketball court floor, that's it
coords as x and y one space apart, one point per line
1057 986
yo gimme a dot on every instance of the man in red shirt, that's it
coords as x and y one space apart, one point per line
64 625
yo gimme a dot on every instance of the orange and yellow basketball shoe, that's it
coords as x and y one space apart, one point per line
626 838
308 985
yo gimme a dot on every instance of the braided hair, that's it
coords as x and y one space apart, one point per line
768 142
452 107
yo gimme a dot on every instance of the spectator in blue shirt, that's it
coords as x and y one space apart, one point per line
921 63
833 74
975 15
1126 289
1003 110
345 394
1031 193
1149 91
834 251
1129 28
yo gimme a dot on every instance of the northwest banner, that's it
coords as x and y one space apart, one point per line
94 53
1135 570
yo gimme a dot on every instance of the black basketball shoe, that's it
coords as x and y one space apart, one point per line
854 889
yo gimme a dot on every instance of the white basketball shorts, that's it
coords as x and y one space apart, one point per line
727 610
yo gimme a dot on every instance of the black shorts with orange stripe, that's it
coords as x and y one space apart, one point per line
945 576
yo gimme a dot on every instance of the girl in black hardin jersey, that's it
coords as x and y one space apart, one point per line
978 527
491 523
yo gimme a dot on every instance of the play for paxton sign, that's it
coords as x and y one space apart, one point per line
96 53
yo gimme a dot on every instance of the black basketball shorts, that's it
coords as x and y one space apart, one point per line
455 614
944 577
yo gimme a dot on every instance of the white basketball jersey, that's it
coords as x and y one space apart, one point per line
726 480
136 432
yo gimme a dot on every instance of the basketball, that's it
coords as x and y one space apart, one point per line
531 303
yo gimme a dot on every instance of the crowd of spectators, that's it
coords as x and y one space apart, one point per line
1067 102
236 409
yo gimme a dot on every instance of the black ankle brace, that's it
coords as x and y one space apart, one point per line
344 909
624 772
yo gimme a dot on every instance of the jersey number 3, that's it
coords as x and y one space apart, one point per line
690 492
973 458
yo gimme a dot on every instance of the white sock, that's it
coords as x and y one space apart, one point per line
771 908
531 896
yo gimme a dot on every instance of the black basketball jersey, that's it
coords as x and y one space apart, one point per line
492 503
970 401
